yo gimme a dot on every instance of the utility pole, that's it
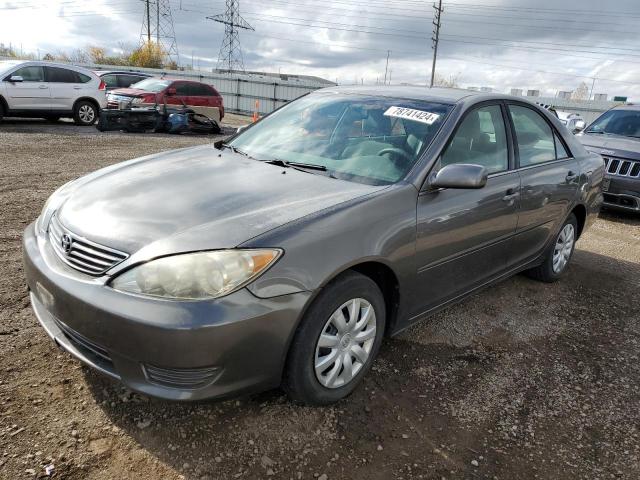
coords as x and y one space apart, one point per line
230 55
435 39
148 24
386 68
593 84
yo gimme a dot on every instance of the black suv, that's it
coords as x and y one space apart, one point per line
616 136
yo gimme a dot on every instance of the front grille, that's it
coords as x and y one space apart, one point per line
621 167
84 344
80 253
182 378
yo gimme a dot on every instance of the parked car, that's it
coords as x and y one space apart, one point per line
51 91
573 121
202 97
284 256
616 136
123 79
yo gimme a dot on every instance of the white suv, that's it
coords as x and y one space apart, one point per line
50 90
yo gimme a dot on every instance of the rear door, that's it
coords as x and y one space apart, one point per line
65 87
549 176
30 94
464 235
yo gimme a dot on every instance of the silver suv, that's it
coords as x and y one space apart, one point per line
51 91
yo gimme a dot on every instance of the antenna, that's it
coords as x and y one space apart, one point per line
157 25
230 56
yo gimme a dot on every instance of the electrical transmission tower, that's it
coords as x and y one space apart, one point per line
230 56
157 26
436 37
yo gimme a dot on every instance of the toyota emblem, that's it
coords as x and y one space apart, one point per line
65 243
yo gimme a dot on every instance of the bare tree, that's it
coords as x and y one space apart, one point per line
451 81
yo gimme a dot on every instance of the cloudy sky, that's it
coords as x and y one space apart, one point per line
548 45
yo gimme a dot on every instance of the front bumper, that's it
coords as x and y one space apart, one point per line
622 193
167 349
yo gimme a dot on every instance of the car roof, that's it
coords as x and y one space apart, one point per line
433 94
120 72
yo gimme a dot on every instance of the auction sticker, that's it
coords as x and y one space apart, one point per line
411 114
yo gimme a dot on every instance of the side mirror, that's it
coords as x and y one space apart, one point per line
16 78
579 126
460 175
171 91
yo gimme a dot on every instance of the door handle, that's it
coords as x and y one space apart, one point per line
43 86
571 176
77 88
511 194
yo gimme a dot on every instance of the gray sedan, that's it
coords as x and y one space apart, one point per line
284 256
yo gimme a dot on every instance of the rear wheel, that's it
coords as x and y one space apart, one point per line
336 342
85 113
559 253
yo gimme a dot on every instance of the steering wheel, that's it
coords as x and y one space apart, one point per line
396 151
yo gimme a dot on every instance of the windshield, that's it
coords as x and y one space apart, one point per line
374 140
151 85
617 122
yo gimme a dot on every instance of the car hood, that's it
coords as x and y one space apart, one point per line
608 145
195 199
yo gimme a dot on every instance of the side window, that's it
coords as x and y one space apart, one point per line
561 151
200 90
128 80
29 74
82 78
183 88
60 75
481 139
534 137
110 80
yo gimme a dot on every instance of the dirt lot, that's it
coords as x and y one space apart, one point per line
524 380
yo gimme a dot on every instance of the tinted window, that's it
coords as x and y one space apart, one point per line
60 75
183 89
83 78
533 135
481 139
201 90
561 151
110 80
128 80
29 74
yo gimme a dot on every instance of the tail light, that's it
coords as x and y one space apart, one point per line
103 86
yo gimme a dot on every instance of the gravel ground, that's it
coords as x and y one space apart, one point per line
523 380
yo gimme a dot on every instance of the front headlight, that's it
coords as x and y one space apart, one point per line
137 100
196 276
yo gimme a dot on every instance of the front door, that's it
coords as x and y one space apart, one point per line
549 181
463 236
32 93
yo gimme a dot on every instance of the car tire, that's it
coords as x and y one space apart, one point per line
558 254
85 113
302 380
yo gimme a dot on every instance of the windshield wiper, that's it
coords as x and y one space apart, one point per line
235 150
296 165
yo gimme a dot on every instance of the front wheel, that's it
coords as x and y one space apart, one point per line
85 113
559 253
336 341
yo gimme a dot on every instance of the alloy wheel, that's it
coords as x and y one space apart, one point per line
563 248
345 343
86 113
